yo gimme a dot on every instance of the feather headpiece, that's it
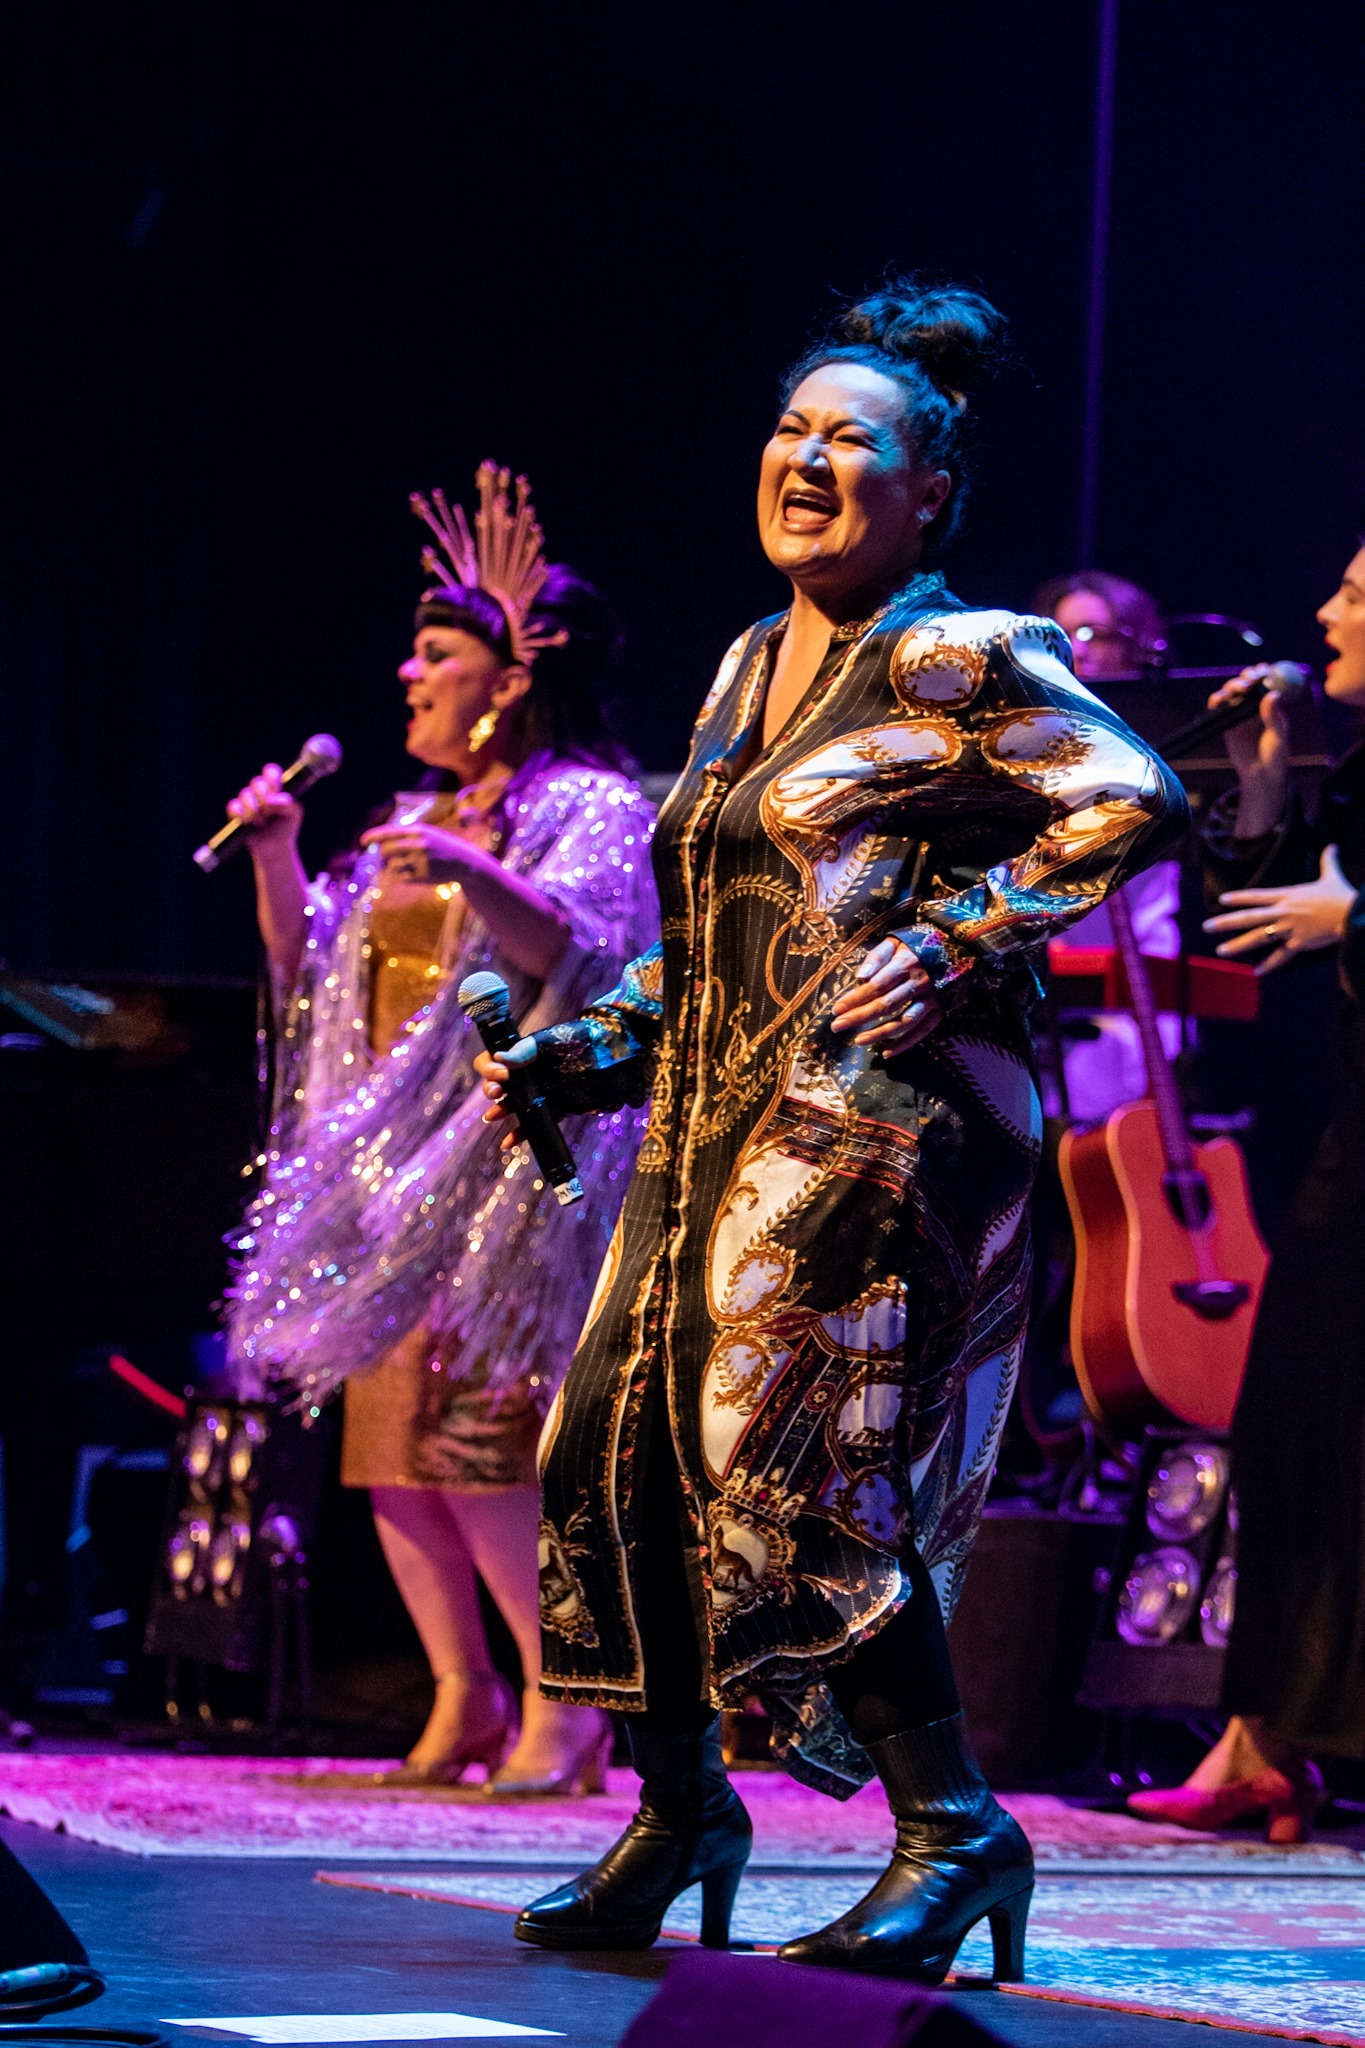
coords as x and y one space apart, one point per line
504 556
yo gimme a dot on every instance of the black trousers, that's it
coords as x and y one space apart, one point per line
1297 1654
902 1678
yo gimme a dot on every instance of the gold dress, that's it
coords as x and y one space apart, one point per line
407 1422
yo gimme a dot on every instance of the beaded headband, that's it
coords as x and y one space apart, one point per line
504 556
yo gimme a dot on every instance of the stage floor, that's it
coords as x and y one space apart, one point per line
197 1938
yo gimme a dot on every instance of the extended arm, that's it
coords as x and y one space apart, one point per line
600 1061
1256 835
1115 808
598 875
272 818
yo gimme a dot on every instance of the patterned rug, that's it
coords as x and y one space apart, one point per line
158 1805
1283 1957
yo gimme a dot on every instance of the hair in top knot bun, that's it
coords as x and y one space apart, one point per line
940 343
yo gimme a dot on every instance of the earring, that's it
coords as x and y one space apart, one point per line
481 731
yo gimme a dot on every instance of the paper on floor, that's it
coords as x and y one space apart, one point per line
368 2026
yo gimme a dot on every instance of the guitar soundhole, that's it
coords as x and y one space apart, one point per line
1214 1300
1188 1198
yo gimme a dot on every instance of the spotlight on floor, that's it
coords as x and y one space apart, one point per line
232 1577
1166 1618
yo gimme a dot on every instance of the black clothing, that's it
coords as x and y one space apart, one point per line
897 1680
1297 1656
690 1828
959 1858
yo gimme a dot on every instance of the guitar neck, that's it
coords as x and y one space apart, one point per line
1161 1085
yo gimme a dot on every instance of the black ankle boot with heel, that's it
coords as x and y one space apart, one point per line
959 1858
690 1829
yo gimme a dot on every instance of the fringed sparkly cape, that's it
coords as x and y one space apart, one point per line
386 1200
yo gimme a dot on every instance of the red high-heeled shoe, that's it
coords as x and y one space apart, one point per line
1289 1799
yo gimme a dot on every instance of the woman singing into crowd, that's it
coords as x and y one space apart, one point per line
390 1245
1294 1681
766 1467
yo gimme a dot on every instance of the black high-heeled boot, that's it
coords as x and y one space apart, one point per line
690 1829
959 1858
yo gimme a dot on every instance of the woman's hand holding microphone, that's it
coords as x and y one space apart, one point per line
269 813
272 818
494 1072
1301 917
892 1007
1258 749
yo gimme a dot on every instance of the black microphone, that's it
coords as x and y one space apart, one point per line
485 1000
1284 679
320 756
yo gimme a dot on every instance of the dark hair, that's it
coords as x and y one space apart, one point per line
473 611
564 710
939 343
1135 611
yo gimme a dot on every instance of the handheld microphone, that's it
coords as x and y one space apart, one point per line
485 1000
320 756
1283 679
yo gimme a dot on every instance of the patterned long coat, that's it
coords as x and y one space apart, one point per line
823 1257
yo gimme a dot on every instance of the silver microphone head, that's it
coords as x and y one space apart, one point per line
1287 679
321 755
484 998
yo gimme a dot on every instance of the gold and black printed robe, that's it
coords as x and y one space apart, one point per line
822 1262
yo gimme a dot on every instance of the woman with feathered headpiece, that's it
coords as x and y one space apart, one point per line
390 1247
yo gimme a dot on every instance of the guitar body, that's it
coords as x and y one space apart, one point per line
1141 1354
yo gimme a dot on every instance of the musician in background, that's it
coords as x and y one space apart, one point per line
1115 630
390 1246
1114 626
1294 1683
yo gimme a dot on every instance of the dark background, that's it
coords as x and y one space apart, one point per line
269 267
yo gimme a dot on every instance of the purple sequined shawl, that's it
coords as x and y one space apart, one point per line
387 1201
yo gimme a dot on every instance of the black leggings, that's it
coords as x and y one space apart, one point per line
900 1679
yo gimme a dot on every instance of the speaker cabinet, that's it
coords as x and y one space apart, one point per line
1020 1634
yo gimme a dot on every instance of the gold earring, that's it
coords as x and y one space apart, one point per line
481 731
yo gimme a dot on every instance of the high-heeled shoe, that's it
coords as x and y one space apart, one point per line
959 1858
485 1728
579 1773
690 1829
1288 1798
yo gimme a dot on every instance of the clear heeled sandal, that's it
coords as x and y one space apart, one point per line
486 1728
581 1772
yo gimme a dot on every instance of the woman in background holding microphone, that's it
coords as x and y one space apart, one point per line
391 1247
1294 1683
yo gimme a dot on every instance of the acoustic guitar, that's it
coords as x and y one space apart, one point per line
1169 1261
